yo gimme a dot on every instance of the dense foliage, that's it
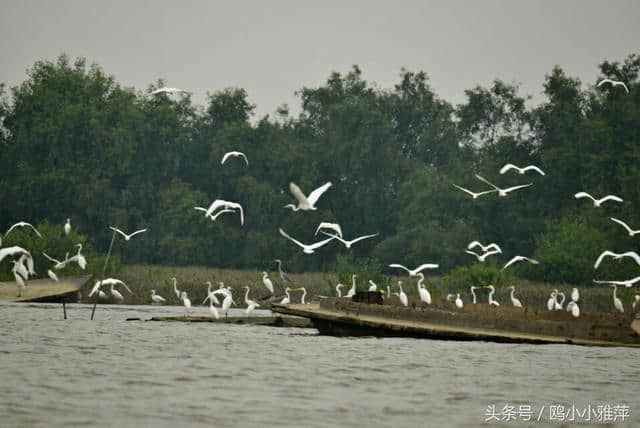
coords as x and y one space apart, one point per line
74 143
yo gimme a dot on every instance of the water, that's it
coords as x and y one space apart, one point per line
111 372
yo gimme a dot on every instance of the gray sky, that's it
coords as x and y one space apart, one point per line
273 48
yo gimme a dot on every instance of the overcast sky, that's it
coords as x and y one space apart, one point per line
273 48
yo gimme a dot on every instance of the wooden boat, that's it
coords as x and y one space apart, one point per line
45 290
342 317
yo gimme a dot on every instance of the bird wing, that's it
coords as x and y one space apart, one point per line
12 251
602 256
507 167
465 190
315 195
238 206
533 168
624 86
321 243
332 226
396 265
611 198
297 193
633 255
481 178
95 288
515 259
360 238
583 195
51 258
426 266
510 189
494 246
473 244
283 233
225 157
603 81
530 260
623 224
216 215
124 285
214 206
13 227
200 209
473 253
137 232
115 229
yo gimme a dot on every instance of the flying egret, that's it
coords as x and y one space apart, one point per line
338 286
67 227
127 237
474 195
234 154
58 264
551 302
283 275
459 303
502 192
482 257
156 298
415 271
519 259
373 286
510 166
348 244
352 290
617 303
626 226
22 224
107 281
13 252
493 246
424 294
219 203
332 226
558 305
613 83
598 202
210 294
514 300
52 275
306 203
267 282
251 305
186 302
307 249
166 90
627 283
286 300
493 290
617 256
213 217
102 295
473 293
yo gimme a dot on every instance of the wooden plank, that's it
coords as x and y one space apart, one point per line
45 290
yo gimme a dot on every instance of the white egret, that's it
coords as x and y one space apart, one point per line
20 280
493 246
13 252
116 294
28 260
402 296
514 300
459 303
388 291
67 227
415 271
186 302
617 303
108 281
348 244
626 226
627 283
251 305
219 203
175 288
52 275
598 202
338 286
234 154
332 226
127 237
156 298
286 300
102 295
573 308
474 195
307 249
617 256
558 305
575 295
22 224
482 257
373 286
613 83
283 275
213 311
551 302
510 166
78 258
424 294
473 293
636 299
304 294
210 294
20 268
213 217
58 264
519 259
352 290
306 203
503 192
267 282
493 290
166 90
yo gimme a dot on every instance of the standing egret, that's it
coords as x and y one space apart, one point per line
424 294
558 305
338 286
19 279
415 271
304 294
348 244
474 195
283 275
573 308
234 154
67 227
519 259
459 303
186 302
503 192
613 83
493 290
403 297
286 300
636 299
20 268
551 302
352 290
306 203
514 300
127 237
626 226
251 305
213 311
473 293
156 299
52 275
388 291
267 282
598 202
175 288
22 224
617 303
116 294
510 166
307 249
210 294
575 295
373 286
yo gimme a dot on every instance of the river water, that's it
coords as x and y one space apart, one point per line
112 372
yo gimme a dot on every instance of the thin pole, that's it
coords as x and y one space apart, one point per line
64 310
104 270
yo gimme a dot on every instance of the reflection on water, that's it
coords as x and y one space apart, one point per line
111 372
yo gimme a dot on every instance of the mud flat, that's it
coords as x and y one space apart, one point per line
342 317
45 290
276 321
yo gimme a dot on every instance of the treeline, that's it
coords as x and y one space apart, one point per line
75 143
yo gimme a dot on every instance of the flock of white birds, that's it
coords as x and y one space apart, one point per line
23 266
